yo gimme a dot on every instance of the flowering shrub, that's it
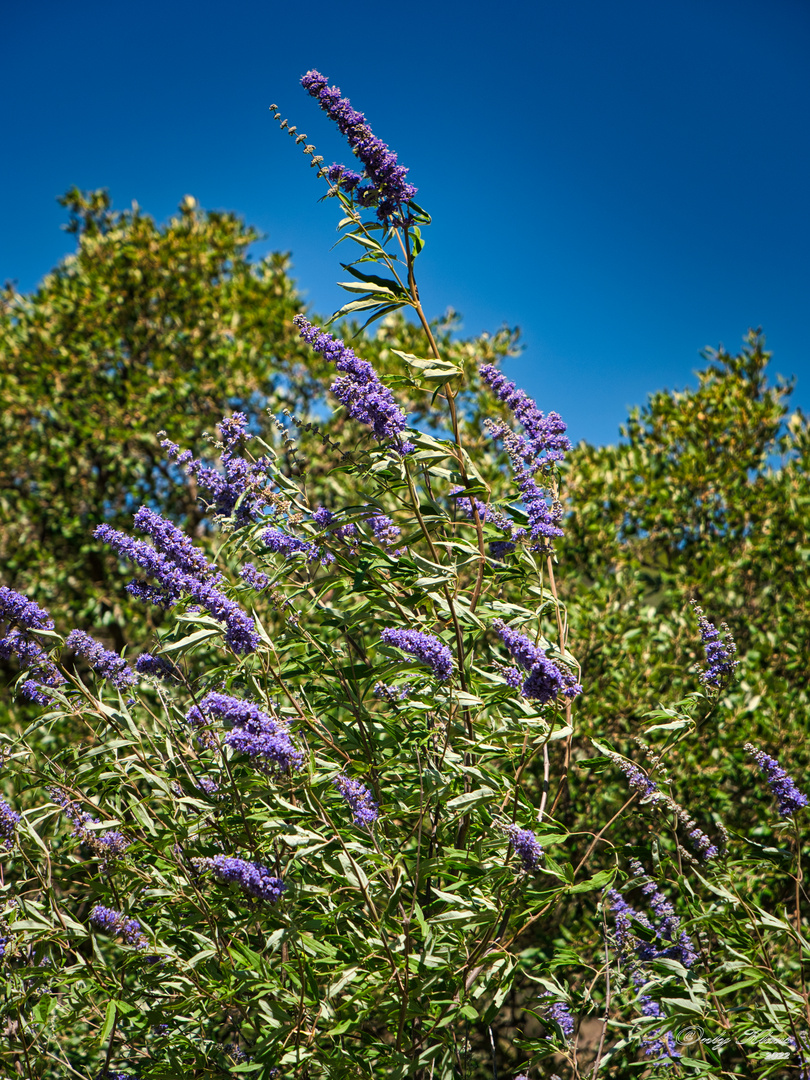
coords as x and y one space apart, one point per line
315 828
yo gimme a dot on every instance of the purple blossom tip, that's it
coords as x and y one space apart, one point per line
789 798
544 679
253 732
526 846
365 810
253 878
426 648
720 652
358 387
113 922
109 665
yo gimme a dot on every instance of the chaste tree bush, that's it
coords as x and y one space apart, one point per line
312 829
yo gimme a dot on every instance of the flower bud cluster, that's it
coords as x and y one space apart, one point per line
720 652
104 662
783 787
260 736
107 846
365 810
105 918
253 878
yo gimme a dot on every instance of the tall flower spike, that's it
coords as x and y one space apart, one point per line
253 878
179 570
788 796
527 847
543 443
426 648
114 922
387 189
720 652
22 618
359 388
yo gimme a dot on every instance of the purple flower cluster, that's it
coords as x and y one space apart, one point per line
392 694
9 820
558 1013
387 188
253 732
426 648
385 531
254 578
238 492
283 544
107 846
358 387
360 800
637 778
179 569
544 442
255 879
498 549
670 942
527 847
107 664
788 796
720 652
148 664
22 618
113 922
544 680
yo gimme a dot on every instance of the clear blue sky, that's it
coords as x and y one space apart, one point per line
627 182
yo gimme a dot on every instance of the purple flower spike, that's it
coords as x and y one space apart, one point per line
9 820
358 387
543 443
114 922
544 680
788 796
254 733
179 569
558 1013
361 803
107 664
527 847
387 188
424 647
22 618
240 490
253 878
720 652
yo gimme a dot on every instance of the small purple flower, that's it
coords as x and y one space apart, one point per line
559 1013
107 846
360 800
527 847
544 680
18 610
358 387
253 878
284 544
788 796
544 442
23 617
720 652
426 648
254 578
158 666
387 189
384 529
392 694
637 778
107 664
9 820
253 732
113 922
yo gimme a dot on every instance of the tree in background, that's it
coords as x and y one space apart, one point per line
144 328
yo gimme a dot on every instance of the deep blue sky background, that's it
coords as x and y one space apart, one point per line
628 182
